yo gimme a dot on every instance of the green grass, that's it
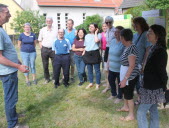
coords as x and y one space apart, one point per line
73 107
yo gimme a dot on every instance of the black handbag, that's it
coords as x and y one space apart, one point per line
92 57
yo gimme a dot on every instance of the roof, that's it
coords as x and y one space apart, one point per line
81 3
131 3
17 4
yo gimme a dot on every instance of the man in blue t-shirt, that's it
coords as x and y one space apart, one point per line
9 65
62 48
70 34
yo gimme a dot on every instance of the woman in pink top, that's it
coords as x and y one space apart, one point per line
103 48
103 37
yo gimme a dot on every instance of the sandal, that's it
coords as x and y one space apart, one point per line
126 118
122 110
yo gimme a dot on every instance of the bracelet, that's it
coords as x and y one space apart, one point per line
125 77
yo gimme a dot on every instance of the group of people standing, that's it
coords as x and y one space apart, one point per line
129 61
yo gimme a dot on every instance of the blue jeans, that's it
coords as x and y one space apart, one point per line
97 71
142 116
80 65
112 78
10 86
28 59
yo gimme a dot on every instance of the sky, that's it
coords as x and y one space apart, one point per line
18 1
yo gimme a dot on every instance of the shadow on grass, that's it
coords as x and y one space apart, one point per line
36 109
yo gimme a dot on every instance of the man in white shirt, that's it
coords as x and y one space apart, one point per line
46 37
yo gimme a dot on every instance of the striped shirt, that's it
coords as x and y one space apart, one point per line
130 51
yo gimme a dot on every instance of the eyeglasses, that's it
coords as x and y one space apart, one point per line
108 22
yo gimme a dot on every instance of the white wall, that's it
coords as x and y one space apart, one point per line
75 13
28 4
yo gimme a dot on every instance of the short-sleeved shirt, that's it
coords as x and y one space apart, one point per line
89 42
47 36
141 44
130 51
27 42
61 46
103 41
8 51
115 52
78 44
110 36
70 35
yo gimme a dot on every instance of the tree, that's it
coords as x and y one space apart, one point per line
160 4
137 11
157 4
37 21
149 5
91 19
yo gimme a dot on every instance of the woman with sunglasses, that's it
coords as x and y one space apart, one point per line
109 37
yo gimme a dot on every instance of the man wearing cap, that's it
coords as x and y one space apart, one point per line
46 37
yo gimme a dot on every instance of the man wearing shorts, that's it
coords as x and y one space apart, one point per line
70 34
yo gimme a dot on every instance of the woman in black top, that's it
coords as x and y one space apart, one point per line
154 78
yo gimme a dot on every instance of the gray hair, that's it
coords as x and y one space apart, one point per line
28 24
49 18
109 18
71 21
2 6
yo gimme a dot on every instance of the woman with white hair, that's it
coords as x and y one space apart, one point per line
109 37
27 43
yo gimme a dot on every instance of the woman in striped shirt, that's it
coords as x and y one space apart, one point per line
128 72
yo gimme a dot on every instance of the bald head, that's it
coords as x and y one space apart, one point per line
61 30
61 33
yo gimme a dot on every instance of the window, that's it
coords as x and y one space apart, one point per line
84 16
58 19
44 14
66 18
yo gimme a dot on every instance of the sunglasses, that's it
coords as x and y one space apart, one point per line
108 22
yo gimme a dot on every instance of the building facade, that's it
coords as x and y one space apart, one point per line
13 7
61 10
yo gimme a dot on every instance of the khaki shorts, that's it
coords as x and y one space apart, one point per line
72 62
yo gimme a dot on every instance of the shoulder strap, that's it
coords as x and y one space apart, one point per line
138 38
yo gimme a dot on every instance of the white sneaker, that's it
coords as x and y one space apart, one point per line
111 97
53 81
97 86
105 85
89 86
117 100
21 126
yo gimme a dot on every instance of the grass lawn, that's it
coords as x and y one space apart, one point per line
73 107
